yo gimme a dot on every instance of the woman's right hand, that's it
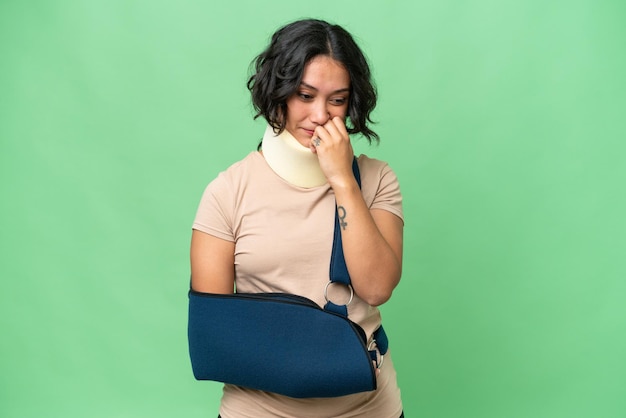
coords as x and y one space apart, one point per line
331 143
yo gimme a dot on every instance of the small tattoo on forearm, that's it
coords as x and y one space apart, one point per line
342 216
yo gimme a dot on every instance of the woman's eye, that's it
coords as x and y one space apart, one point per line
305 96
338 101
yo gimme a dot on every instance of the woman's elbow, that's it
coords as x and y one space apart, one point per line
378 295
377 299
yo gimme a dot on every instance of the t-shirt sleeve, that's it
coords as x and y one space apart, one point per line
381 188
214 214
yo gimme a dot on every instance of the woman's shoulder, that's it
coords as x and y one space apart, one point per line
239 169
380 185
244 164
232 179
372 167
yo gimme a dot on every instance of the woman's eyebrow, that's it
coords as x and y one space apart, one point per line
308 86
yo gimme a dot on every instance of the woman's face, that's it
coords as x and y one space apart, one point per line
322 95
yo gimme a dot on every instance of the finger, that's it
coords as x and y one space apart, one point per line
341 126
315 142
376 368
332 129
337 129
322 133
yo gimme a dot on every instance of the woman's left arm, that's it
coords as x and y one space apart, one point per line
372 239
372 246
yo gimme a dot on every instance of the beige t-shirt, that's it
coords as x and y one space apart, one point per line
283 237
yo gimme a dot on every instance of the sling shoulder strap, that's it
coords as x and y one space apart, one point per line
339 273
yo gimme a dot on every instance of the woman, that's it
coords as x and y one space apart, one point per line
266 223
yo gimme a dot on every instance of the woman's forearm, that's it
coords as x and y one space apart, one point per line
372 245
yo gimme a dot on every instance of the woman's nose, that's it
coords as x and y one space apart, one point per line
319 113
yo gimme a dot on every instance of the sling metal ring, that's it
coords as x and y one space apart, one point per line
382 357
349 287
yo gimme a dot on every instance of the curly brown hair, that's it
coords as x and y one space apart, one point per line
277 72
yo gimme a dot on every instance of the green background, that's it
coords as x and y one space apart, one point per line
504 121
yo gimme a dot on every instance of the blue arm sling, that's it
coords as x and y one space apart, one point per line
284 343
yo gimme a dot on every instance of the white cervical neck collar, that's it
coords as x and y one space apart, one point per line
292 161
